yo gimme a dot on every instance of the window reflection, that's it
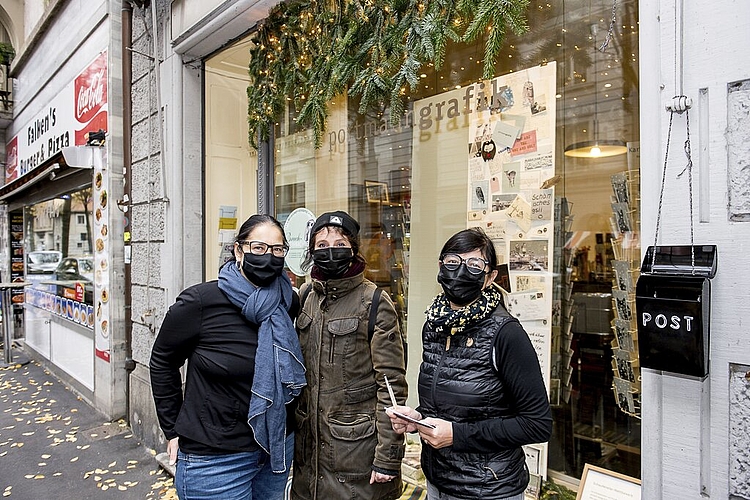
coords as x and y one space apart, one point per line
59 254
375 170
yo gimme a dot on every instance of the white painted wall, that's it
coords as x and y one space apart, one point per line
686 434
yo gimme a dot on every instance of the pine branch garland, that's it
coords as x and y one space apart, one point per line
309 51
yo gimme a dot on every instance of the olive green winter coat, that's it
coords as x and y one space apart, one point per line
342 429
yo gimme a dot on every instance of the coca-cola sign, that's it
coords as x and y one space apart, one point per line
91 89
67 119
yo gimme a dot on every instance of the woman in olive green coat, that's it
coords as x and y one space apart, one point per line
345 444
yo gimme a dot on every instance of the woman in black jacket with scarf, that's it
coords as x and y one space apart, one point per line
480 383
244 367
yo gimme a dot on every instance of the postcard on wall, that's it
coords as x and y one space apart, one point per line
501 202
226 253
538 332
541 204
227 224
527 305
528 282
506 134
539 162
526 144
479 195
519 211
529 255
495 229
530 180
511 177
476 169
483 130
556 343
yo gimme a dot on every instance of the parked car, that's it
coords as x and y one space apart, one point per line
43 261
75 269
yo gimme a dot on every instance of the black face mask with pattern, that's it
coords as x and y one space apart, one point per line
460 286
261 270
333 262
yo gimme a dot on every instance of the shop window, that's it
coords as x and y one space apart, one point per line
409 185
60 261
231 166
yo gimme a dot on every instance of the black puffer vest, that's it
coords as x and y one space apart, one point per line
457 382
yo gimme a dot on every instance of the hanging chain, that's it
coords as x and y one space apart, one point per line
689 168
611 29
681 104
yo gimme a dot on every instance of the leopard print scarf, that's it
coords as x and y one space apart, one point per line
440 312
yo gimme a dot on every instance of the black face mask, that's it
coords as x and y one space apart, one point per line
261 270
333 262
460 286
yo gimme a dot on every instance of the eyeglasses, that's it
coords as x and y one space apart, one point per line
475 265
261 248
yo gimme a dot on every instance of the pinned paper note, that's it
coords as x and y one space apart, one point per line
520 212
541 204
505 134
526 144
527 305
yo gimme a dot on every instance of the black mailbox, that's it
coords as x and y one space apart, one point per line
673 307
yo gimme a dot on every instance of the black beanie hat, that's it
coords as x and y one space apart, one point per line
337 218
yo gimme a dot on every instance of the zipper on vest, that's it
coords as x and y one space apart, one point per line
438 367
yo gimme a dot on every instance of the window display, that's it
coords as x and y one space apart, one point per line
470 151
60 256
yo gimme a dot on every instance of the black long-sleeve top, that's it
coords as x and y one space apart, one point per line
531 422
204 328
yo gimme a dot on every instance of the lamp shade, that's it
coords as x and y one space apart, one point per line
596 149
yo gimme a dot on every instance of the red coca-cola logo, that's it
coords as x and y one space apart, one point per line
11 160
91 89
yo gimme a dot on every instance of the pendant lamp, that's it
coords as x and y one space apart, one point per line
598 148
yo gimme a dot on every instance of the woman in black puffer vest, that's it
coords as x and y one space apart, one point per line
480 383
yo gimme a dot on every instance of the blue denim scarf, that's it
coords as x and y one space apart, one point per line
279 368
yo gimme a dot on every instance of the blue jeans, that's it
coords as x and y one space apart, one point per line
434 494
234 476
